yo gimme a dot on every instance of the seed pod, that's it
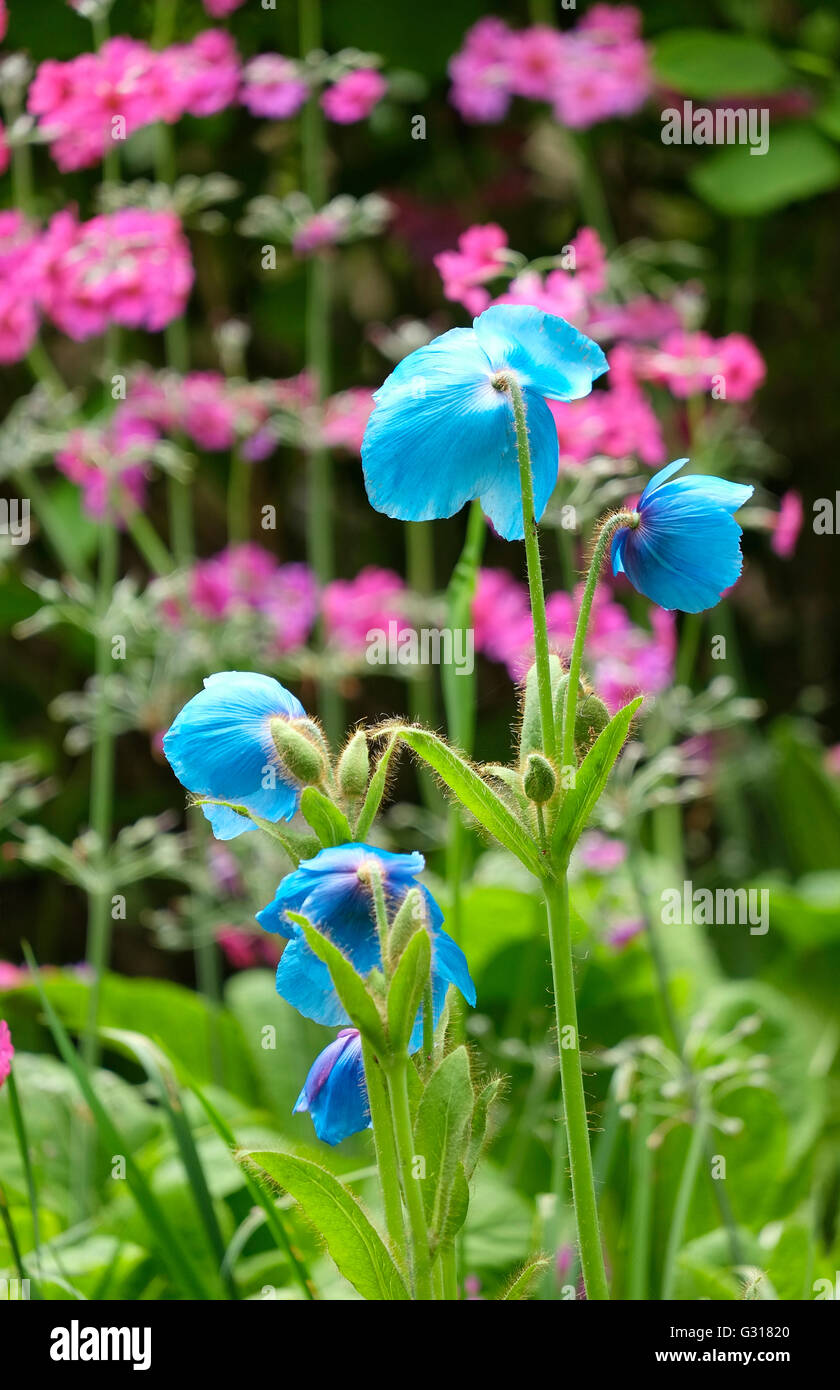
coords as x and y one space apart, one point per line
299 756
591 719
539 780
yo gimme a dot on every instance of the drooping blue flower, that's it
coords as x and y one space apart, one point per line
220 746
335 1093
686 548
442 432
333 892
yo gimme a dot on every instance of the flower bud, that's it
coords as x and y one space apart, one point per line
299 755
408 919
354 767
530 736
591 720
539 780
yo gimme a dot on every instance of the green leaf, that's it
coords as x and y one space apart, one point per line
406 989
524 1281
709 63
353 1242
441 1134
799 164
473 793
530 733
459 1205
375 793
329 823
349 986
591 778
481 1121
297 846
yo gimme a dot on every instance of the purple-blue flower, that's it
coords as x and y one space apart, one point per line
333 892
220 746
334 1093
686 548
442 431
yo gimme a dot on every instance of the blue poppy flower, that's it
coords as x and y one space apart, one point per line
686 548
333 892
220 745
442 431
335 1093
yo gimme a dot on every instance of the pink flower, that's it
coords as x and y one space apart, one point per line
354 96
788 525
110 466
832 760
272 87
599 853
245 950
7 1052
479 258
353 607
131 267
535 62
480 73
11 975
590 260
246 578
622 933
217 9
208 413
741 365
345 419
320 230
4 20
501 616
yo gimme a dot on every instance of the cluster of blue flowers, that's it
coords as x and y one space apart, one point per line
220 746
443 432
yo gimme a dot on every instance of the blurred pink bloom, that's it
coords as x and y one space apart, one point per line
352 607
534 60
217 9
345 419
11 975
246 578
832 760
131 267
272 87
245 950
590 260
558 293
600 853
691 363
788 525
622 933
479 258
208 413
501 615
643 319
741 365
319 230
480 72
354 96
4 20
7 1052
110 466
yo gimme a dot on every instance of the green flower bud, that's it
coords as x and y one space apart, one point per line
354 767
409 918
539 780
530 734
592 718
300 757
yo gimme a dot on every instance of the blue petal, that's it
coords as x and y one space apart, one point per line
437 431
304 982
684 565
220 746
335 1093
661 477
547 353
503 500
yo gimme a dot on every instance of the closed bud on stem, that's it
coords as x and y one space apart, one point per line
408 919
591 718
302 758
354 767
539 780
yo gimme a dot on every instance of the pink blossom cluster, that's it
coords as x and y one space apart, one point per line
7 1051
218 9
345 419
691 363
246 579
787 526
587 74
247 950
85 104
275 87
353 607
623 659
131 267
110 466
216 412
353 96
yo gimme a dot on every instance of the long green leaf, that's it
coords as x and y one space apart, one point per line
590 780
524 1281
473 793
375 793
329 823
349 986
442 1132
406 989
296 845
351 1239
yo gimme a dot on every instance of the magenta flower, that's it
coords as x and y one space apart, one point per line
354 96
353 607
218 9
345 419
273 87
788 525
7 1052
600 853
479 258
110 466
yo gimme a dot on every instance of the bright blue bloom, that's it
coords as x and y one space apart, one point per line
220 745
441 432
334 1093
332 893
686 548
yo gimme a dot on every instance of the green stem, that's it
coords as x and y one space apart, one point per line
641 1207
602 541
574 1100
449 1268
101 789
532 555
19 1127
386 1152
421 1263
420 573
238 498
149 544
682 1205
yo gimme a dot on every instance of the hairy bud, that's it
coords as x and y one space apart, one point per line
591 719
354 767
299 755
539 780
